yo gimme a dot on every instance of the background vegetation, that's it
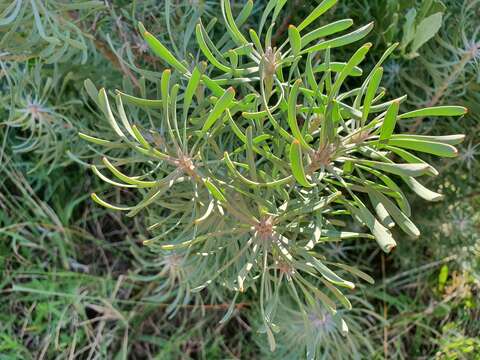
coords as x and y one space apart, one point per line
77 281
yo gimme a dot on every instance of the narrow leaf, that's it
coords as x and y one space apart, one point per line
326 30
296 164
446 139
370 92
295 40
316 13
427 29
341 40
206 51
436 111
221 105
152 104
421 190
397 169
434 148
107 205
161 51
389 122
292 114
214 191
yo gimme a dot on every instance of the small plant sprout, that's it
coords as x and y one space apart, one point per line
269 149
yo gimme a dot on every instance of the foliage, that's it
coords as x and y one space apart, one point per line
46 30
252 187
83 281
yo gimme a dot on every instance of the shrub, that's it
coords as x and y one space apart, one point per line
259 156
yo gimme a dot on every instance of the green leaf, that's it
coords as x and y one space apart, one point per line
324 6
105 106
436 111
409 157
123 115
382 235
95 140
199 31
162 187
292 114
409 27
278 7
250 155
230 23
434 148
380 209
214 191
442 277
338 67
427 29
330 275
221 105
152 104
5 20
397 169
335 235
232 168
421 190
245 13
356 59
255 39
161 51
138 135
107 205
295 40
296 164
326 30
125 178
90 87
216 89
398 216
312 82
109 181
398 194
446 139
192 86
341 40
338 294
389 122
268 9
230 310
356 272
371 92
